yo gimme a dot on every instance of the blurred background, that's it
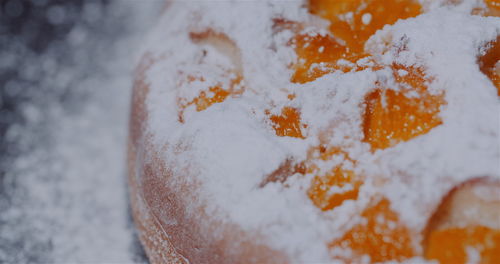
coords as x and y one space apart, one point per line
65 81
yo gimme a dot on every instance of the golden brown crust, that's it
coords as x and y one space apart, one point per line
154 239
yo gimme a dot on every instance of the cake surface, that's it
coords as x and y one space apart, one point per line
319 131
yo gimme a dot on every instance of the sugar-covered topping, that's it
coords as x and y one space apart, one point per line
315 124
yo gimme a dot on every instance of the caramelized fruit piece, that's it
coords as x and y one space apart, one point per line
393 116
354 21
287 124
382 237
321 191
453 244
489 63
318 55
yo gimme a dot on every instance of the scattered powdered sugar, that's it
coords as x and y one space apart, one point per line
487 193
232 146
69 201
473 256
366 18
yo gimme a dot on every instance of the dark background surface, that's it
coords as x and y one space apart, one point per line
39 40
30 32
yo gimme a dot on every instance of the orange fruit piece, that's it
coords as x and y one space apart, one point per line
203 101
214 94
493 8
287 124
451 245
331 190
318 55
228 81
381 237
489 63
354 21
320 190
393 116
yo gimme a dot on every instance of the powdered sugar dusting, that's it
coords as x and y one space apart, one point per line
65 199
232 145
